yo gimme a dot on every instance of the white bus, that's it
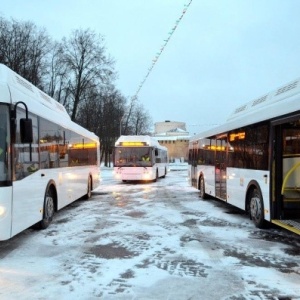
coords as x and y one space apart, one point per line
139 157
253 160
46 160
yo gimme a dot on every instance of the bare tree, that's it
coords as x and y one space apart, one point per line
87 64
140 120
126 117
24 48
57 72
78 74
101 112
137 121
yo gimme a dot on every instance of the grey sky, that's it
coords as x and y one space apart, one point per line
222 54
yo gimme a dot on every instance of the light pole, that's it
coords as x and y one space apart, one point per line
121 125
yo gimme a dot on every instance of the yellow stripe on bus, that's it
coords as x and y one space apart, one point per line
287 226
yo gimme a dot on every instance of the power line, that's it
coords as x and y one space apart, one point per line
154 61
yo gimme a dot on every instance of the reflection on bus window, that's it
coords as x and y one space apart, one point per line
26 156
82 151
52 147
291 141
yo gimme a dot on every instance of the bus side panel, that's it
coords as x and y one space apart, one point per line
237 182
5 212
71 183
76 181
162 167
96 176
209 177
29 193
191 175
28 201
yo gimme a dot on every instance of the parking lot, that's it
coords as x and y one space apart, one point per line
150 241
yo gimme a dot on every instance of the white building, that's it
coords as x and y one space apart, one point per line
174 136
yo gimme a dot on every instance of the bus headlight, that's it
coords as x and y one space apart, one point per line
117 174
2 211
147 174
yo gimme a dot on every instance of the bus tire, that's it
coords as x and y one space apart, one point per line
156 176
256 206
202 188
165 173
88 194
49 207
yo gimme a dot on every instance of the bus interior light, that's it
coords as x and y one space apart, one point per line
133 144
237 136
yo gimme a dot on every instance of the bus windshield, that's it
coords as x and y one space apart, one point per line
4 142
133 156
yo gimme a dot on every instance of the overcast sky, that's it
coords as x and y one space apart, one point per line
222 53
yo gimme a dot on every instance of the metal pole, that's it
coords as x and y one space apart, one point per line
121 125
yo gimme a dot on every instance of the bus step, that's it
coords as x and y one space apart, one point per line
291 225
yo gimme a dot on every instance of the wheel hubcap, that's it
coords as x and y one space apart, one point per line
49 207
255 208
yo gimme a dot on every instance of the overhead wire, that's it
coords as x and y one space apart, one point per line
158 54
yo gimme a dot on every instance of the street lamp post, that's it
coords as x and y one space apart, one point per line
121 125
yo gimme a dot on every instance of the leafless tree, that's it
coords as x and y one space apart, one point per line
140 120
87 65
77 73
137 121
24 49
101 112
57 72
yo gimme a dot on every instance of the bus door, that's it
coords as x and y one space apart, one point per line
193 156
220 168
285 186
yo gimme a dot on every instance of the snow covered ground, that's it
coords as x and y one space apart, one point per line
150 241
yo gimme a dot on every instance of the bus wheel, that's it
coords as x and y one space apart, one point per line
165 173
202 188
48 208
156 176
88 194
257 209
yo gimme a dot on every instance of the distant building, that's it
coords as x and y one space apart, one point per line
174 136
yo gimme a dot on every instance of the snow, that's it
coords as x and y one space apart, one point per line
150 241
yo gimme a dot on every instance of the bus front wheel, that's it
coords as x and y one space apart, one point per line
156 176
49 208
257 208
88 194
165 173
202 188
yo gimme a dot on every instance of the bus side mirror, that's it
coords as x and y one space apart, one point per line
156 152
26 135
26 131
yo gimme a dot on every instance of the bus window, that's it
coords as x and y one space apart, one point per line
26 156
249 148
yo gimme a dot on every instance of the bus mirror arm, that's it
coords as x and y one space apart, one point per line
25 125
